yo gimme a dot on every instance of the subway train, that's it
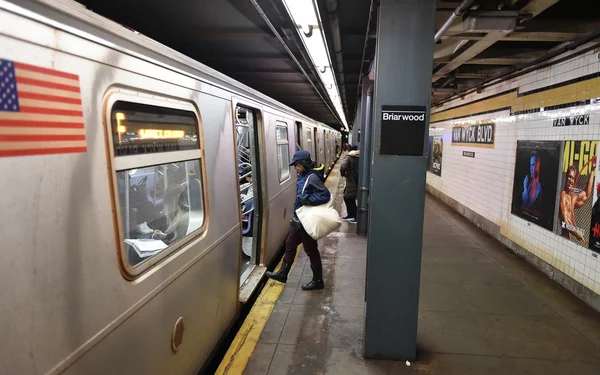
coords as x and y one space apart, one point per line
143 195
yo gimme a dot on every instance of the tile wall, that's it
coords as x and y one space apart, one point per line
485 183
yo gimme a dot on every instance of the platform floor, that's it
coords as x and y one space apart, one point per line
483 311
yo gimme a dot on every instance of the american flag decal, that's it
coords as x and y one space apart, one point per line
40 111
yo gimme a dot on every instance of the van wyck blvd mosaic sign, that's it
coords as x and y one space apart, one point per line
479 135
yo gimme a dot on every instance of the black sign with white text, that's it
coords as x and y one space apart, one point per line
402 130
480 135
469 154
571 120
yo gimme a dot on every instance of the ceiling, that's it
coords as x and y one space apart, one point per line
232 37
466 60
255 42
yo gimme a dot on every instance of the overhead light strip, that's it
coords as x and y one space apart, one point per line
305 15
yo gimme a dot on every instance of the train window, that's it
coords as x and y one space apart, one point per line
298 136
283 151
159 180
144 129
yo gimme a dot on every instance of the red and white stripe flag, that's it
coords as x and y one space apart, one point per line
40 111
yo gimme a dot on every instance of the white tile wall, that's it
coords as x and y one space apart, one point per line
484 183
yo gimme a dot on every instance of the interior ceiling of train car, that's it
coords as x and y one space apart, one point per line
263 45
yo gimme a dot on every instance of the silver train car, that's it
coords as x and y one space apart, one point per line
143 195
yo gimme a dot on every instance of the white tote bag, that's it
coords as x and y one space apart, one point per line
318 221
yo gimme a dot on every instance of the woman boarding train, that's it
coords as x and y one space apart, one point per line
310 191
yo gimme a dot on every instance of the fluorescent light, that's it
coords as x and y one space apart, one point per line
306 17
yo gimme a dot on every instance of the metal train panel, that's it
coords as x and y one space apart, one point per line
282 190
276 182
62 214
142 344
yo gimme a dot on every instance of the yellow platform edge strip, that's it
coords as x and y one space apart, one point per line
236 359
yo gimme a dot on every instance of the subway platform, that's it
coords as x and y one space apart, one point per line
482 311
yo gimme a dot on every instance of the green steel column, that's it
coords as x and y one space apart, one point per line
404 59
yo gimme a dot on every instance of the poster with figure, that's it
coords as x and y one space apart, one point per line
535 180
577 177
595 221
437 149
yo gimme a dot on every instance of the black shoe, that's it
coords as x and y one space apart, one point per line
314 285
317 281
282 274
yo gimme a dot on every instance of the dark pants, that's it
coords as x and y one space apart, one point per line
351 207
295 238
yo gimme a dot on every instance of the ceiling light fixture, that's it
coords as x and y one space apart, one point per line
305 15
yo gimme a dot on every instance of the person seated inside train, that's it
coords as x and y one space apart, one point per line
246 183
247 201
177 212
144 214
168 221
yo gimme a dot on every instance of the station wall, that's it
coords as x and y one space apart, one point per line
480 161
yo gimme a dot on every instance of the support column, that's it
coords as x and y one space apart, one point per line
364 172
358 124
405 31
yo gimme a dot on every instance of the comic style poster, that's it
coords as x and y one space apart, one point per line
437 149
535 180
595 221
576 191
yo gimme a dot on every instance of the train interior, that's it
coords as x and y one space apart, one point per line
160 204
249 181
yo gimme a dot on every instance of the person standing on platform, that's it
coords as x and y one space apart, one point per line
349 170
310 191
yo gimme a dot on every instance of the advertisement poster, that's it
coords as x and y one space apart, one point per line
536 177
595 223
577 177
437 149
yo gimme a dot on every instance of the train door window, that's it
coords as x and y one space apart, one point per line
318 149
309 143
247 142
157 161
325 151
299 142
283 151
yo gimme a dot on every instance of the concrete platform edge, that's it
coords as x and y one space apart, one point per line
573 286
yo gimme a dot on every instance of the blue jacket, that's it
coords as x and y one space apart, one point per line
316 193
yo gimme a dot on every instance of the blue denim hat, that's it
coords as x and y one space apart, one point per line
300 155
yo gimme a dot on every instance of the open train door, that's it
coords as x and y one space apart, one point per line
248 128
